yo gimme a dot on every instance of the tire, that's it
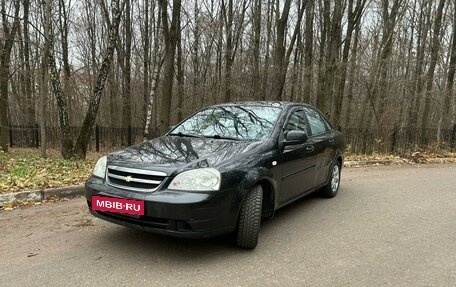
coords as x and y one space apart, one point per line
332 187
250 218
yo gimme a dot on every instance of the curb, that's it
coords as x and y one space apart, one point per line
40 195
354 163
358 163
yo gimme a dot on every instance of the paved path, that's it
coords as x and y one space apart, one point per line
389 226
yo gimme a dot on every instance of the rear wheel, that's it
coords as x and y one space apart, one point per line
330 190
250 218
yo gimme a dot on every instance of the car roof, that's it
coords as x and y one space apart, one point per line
282 104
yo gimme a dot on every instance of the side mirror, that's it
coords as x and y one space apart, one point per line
295 137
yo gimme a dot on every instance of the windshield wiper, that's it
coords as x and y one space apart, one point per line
180 134
219 137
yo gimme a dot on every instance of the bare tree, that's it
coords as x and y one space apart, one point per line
82 141
126 95
6 45
430 74
353 18
256 79
281 53
170 31
64 120
157 60
446 118
28 70
94 103
233 30
308 52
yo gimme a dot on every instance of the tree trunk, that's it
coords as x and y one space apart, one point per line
279 72
265 84
7 42
64 121
126 95
325 21
228 19
30 100
146 64
170 37
180 75
157 65
63 27
308 52
332 62
43 86
256 49
351 78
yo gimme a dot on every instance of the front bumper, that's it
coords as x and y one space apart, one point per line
175 213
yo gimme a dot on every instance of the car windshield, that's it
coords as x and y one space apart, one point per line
230 122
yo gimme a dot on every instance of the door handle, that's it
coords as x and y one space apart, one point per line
310 148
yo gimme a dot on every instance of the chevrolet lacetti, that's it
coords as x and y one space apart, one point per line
221 170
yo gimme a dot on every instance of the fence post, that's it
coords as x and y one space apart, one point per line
453 141
97 138
394 139
129 135
10 132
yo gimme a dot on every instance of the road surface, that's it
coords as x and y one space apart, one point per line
388 226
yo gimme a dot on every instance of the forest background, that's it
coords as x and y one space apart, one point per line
81 75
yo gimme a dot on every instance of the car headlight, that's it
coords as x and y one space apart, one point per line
100 167
201 179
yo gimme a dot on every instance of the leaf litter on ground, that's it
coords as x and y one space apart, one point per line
24 169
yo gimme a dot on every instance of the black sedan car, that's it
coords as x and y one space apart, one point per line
221 170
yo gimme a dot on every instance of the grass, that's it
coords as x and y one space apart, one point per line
24 169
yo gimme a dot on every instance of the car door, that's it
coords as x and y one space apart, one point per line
322 138
298 162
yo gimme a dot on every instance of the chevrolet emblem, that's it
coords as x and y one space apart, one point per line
128 178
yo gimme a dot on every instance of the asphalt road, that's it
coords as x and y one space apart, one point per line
388 226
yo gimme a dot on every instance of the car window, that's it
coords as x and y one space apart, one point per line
296 122
236 122
316 122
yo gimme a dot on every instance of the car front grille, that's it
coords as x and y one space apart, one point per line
134 179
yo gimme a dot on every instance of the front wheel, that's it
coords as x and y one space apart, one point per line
250 218
332 187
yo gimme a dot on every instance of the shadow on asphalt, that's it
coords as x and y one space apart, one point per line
137 244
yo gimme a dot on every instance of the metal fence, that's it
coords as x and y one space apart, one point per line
102 139
399 140
358 141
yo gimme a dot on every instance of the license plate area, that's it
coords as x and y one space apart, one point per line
118 205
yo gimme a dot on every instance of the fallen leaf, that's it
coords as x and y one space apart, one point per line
85 222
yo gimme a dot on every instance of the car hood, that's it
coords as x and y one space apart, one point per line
173 153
